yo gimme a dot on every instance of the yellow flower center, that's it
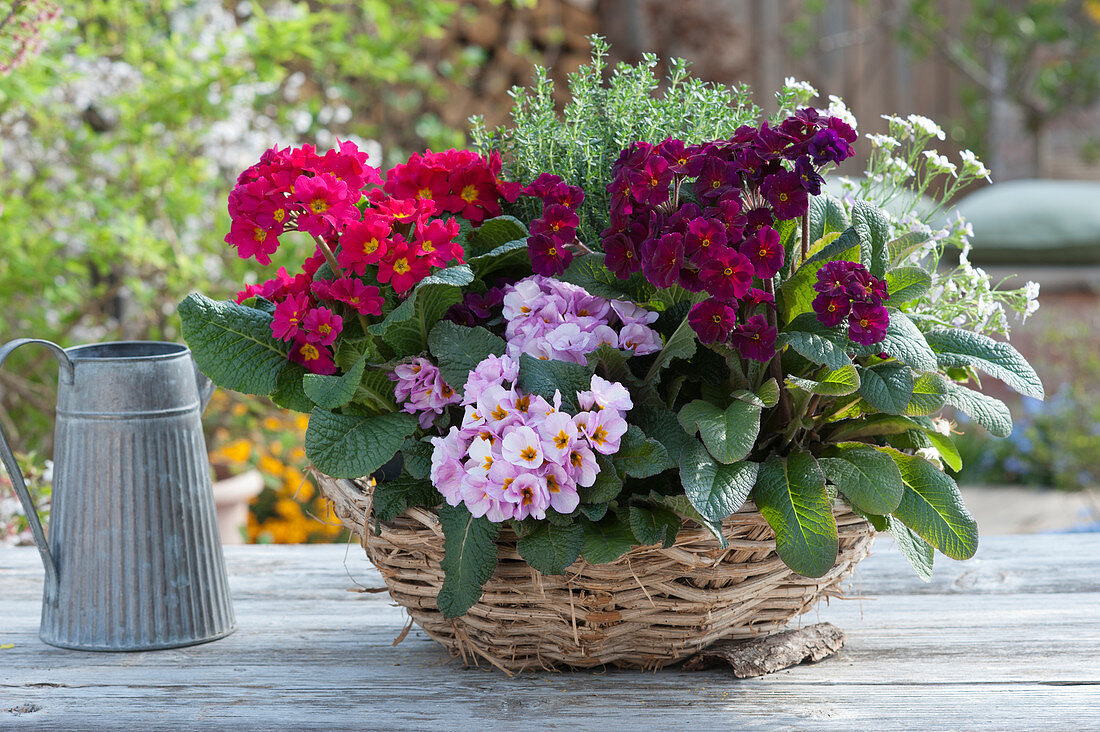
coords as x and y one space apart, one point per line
469 193
561 440
259 234
309 352
529 453
401 266
782 196
498 413
279 214
324 329
318 205
424 193
600 435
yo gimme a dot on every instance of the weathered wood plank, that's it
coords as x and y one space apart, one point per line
1011 639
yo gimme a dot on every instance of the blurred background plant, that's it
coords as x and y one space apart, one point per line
14 529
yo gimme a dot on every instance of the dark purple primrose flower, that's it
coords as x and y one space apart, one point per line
677 154
831 309
716 179
621 204
702 235
811 181
765 252
832 279
650 184
621 256
758 217
663 260
712 320
542 186
756 297
558 222
784 191
548 257
566 195
755 339
771 142
727 275
867 323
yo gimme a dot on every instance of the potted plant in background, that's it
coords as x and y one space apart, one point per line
637 385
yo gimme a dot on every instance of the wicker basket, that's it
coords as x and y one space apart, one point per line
649 608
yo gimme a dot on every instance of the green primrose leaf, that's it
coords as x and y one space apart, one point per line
512 254
955 347
289 392
654 525
985 410
715 490
929 394
639 456
681 344
796 295
907 283
551 549
816 342
873 228
458 350
232 344
493 234
826 214
545 376
606 540
729 434
590 273
867 478
945 446
391 498
333 392
353 446
933 508
838 382
790 493
887 387
916 550
406 329
903 341
660 423
469 558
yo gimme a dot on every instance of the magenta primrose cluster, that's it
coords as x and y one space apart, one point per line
720 239
848 290
517 455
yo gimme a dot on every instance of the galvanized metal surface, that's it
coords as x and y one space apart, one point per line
134 561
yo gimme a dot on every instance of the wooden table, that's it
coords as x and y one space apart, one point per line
1010 639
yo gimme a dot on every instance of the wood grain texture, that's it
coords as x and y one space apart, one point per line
1008 640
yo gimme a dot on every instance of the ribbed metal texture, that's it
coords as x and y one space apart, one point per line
133 529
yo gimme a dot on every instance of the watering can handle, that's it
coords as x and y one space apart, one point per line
17 480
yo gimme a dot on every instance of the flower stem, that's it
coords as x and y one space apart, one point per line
331 259
805 235
775 365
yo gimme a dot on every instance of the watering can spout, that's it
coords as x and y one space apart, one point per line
16 475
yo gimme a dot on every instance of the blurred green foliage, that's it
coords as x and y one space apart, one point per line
119 144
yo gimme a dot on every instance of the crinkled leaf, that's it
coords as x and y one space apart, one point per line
929 394
512 254
873 425
796 295
933 508
681 506
232 344
654 525
835 382
391 498
790 493
551 549
458 350
333 392
615 367
681 344
593 511
639 456
544 377
873 228
985 410
418 457
916 550
867 478
887 387
728 433
590 273
492 234
715 490
352 446
660 423
289 392
406 329
901 247
815 342
907 283
955 347
469 558
769 393
607 485
826 214
945 446
606 540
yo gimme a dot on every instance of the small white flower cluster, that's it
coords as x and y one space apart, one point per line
837 108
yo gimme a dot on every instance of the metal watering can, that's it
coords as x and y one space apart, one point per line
134 558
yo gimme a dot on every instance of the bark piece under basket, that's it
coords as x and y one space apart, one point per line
649 608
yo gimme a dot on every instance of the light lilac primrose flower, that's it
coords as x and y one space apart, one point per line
492 370
569 343
472 419
585 305
530 496
482 498
582 466
640 339
605 335
560 487
606 395
517 302
522 448
604 430
482 456
630 313
447 470
495 405
558 434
